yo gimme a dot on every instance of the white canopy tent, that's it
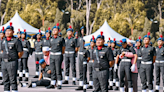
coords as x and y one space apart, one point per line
107 32
19 23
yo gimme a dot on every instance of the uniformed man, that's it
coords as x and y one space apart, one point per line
38 52
60 34
138 51
80 57
44 77
57 51
2 35
46 42
146 67
70 51
103 60
115 78
24 60
12 50
86 58
19 38
125 66
159 63
90 64
109 44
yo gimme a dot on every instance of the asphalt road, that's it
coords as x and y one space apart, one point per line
65 88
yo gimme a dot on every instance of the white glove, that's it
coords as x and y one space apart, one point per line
115 67
133 68
110 69
19 60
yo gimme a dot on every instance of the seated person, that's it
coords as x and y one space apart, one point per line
45 74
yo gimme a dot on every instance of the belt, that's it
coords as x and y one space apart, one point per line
46 78
139 58
126 60
85 62
56 53
38 52
90 61
157 61
150 62
80 53
25 49
69 52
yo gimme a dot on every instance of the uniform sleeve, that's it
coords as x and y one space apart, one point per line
75 43
132 50
63 42
19 46
78 44
29 46
109 54
118 51
87 53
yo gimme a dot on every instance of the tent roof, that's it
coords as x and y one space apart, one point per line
107 32
19 23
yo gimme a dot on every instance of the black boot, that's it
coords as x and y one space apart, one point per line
156 91
110 88
114 84
73 83
36 76
79 88
0 78
51 87
30 84
59 87
65 82
117 88
26 79
20 78
23 75
84 90
89 87
1 83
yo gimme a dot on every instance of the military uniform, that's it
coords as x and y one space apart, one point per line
46 42
125 66
11 47
159 65
146 67
70 57
38 55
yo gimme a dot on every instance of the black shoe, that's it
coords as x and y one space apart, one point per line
36 76
21 84
1 83
23 75
79 88
51 87
117 88
0 78
26 79
110 88
18 75
114 84
65 82
59 87
156 91
84 90
30 84
20 78
73 83
90 87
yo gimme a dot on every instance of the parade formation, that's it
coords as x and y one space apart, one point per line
110 67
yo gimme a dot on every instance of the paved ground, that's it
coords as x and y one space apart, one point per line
65 88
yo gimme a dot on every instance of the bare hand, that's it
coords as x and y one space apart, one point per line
49 71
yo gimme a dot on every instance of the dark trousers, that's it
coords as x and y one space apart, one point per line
23 64
55 66
70 60
116 75
111 74
100 80
125 70
80 67
42 82
37 58
9 70
85 73
159 68
135 80
0 64
90 68
146 74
